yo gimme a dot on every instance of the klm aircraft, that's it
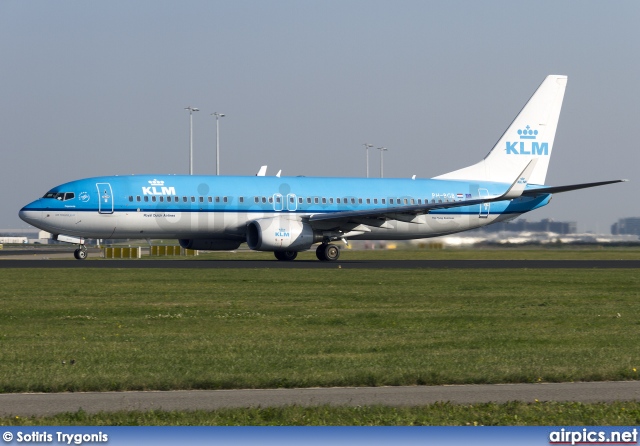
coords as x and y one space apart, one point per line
287 215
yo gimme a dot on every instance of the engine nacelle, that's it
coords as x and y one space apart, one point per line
210 244
280 234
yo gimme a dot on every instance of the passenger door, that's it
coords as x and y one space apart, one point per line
105 198
485 208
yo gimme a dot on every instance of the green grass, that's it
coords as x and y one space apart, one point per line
442 414
215 329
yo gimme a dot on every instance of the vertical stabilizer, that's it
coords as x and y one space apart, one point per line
530 136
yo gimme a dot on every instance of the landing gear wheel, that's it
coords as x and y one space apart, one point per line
286 256
80 253
327 252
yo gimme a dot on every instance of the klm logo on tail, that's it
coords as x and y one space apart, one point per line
527 144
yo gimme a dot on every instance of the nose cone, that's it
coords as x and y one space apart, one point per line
30 214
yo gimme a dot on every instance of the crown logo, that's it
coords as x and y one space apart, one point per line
155 182
527 133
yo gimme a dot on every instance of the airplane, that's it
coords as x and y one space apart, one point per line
287 215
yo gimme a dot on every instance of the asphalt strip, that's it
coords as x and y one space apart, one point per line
43 404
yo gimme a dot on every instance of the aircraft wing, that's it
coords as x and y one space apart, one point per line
392 213
354 220
558 189
414 213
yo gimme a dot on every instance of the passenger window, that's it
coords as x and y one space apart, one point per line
153 198
264 199
218 200
241 199
324 200
130 197
308 200
256 199
353 201
146 198
338 200
138 198
193 199
368 200
360 200
225 199
375 201
184 199
278 199
161 199
316 200
384 201
270 199
330 200
300 200
201 199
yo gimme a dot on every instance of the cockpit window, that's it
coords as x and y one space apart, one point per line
62 196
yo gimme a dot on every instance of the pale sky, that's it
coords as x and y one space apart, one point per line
99 88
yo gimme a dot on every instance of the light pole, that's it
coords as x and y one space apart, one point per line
218 116
382 150
191 110
367 146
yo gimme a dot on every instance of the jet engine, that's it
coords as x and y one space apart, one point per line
210 244
280 234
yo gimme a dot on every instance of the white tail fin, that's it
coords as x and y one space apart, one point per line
530 136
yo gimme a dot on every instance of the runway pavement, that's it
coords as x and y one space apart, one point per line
8 262
93 402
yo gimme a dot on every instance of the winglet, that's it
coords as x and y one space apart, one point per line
520 183
262 172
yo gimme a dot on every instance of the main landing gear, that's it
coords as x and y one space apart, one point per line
286 256
327 252
80 253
